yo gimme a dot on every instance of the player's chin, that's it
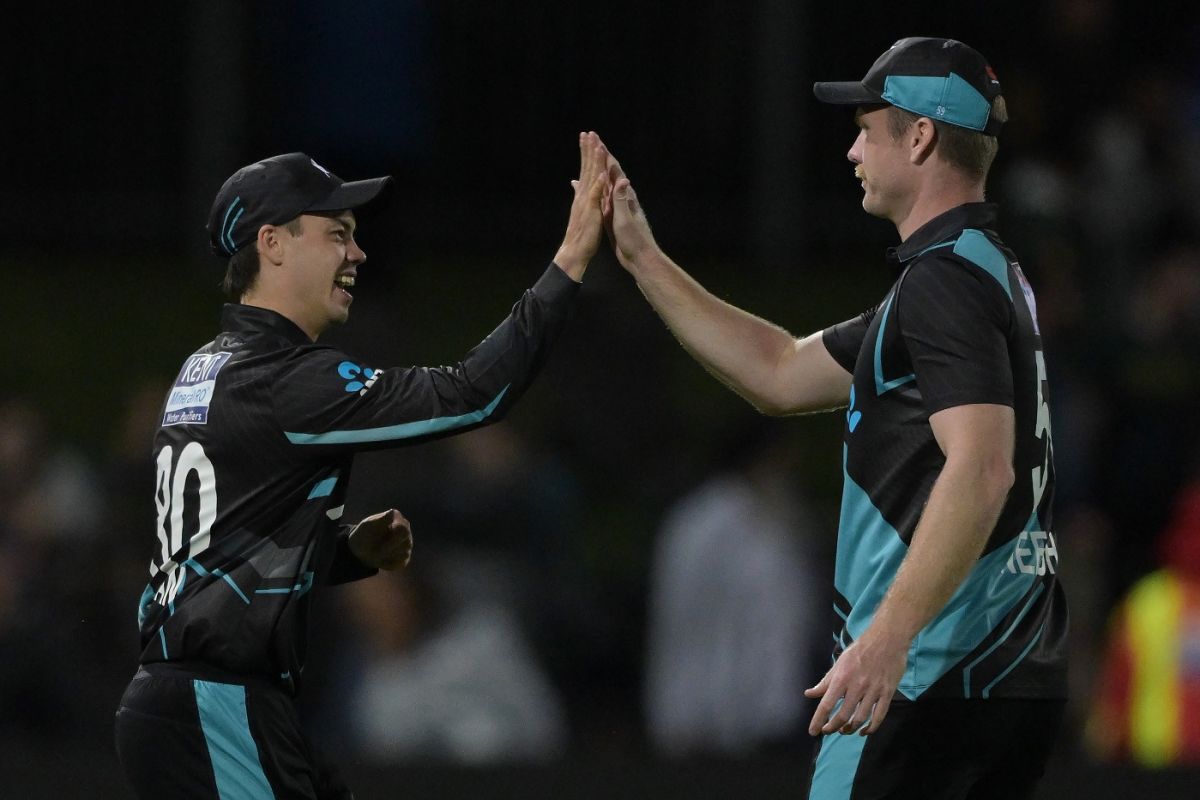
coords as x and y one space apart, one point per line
872 206
339 310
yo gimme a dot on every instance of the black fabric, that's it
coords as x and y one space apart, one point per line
944 228
955 322
952 332
249 518
844 340
278 189
958 750
917 56
164 752
159 741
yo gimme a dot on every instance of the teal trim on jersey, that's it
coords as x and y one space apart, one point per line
1037 592
987 690
302 587
839 636
235 587
837 764
407 430
231 748
869 551
974 246
182 582
934 247
882 386
144 604
950 99
323 488
162 637
191 562
987 596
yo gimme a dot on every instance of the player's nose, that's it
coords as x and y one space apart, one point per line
355 254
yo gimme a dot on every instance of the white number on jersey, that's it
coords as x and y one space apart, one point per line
169 485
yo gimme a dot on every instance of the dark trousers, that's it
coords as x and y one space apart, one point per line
180 733
942 749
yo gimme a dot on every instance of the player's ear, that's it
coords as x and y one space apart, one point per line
270 243
921 138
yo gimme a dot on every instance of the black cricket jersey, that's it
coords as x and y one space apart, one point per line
958 327
253 458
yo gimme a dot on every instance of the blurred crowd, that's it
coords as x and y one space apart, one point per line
505 642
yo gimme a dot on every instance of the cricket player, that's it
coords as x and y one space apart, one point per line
254 455
948 675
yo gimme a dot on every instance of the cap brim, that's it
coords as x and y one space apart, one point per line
846 93
361 196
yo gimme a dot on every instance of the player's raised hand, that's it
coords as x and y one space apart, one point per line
582 238
628 228
383 540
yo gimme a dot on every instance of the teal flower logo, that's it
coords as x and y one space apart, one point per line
353 373
853 417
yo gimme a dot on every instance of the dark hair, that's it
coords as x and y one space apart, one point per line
970 151
242 268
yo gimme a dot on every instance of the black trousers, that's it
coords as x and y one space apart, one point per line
942 749
180 733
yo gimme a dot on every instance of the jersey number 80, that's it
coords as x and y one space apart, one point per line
170 485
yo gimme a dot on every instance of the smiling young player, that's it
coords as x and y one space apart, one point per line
253 458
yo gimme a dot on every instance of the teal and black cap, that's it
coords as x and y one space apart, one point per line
942 79
278 189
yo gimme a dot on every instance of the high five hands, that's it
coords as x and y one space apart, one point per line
604 198
582 238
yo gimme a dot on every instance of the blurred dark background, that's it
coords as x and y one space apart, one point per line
535 648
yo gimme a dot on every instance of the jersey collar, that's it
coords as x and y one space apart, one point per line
239 318
943 227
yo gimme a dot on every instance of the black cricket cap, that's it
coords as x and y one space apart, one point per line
278 189
942 79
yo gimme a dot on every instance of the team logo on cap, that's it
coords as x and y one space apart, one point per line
318 166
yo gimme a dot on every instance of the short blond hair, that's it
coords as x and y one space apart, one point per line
970 151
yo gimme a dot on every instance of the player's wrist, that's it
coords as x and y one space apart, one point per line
890 633
571 261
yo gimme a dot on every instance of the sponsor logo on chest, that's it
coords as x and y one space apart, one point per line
189 399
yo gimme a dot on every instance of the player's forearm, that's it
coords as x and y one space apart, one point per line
963 507
741 350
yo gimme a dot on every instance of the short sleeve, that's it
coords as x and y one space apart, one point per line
844 340
954 319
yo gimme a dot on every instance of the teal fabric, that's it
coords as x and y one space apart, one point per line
975 247
234 754
950 99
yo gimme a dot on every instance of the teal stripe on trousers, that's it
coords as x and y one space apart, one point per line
837 764
234 754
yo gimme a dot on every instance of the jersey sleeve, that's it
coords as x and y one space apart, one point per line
844 340
326 399
345 566
954 319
